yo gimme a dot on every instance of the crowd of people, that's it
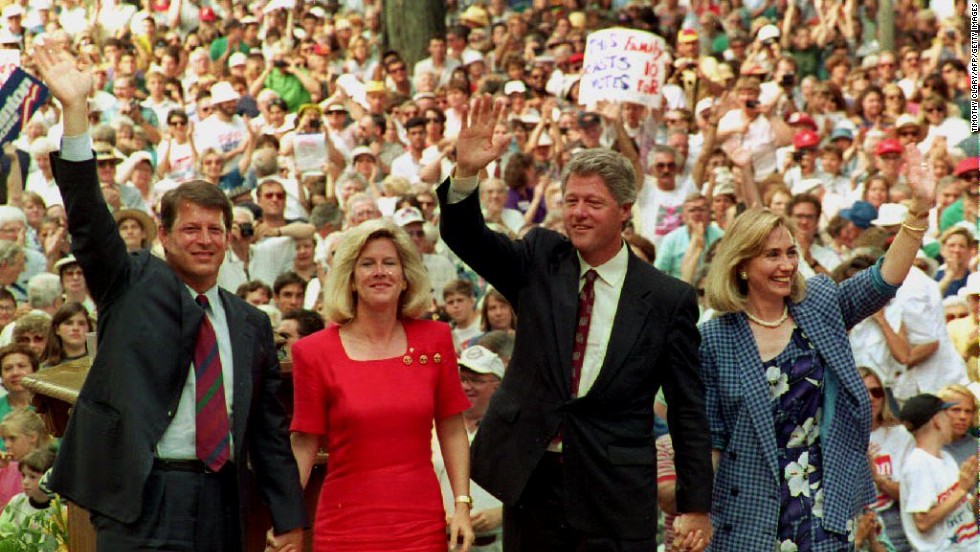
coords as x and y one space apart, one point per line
810 171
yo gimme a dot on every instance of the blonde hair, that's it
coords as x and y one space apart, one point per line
949 392
888 417
744 239
339 299
24 421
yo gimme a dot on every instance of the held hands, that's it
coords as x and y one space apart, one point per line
291 541
475 145
692 532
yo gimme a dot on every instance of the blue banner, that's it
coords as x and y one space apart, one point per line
21 95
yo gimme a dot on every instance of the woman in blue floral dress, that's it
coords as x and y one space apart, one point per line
789 415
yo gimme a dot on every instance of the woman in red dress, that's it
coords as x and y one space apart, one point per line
369 388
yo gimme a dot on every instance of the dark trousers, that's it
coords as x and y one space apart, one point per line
183 511
537 523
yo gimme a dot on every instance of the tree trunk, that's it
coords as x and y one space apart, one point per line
408 24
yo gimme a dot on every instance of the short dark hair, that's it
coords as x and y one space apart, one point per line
804 198
462 287
200 193
307 321
287 278
39 460
414 122
253 285
20 349
326 213
7 295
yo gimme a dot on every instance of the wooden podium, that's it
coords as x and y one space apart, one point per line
55 393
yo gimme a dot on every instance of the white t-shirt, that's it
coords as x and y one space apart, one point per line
927 481
758 140
658 212
895 443
924 319
405 166
181 161
224 137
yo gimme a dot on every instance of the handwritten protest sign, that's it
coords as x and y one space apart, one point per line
20 97
624 65
309 151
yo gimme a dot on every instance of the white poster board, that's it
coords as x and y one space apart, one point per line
309 152
624 65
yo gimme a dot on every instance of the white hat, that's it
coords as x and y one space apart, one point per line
544 139
890 214
706 103
724 181
972 286
13 10
361 150
514 87
223 92
806 185
767 32
471 56
40 4
531 117
482 361
7 37
236 60
407 215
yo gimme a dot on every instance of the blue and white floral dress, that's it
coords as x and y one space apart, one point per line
795 379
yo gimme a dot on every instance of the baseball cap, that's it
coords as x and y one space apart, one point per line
237 59
806 139
480 359
361 150
891 214
919 409
407 215
687 35
967 165
841 132
888 146
861 214
374 86
768 32
589 119
800 118
514 87
806 185
207 14
972 286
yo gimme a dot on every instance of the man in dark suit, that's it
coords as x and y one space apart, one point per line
567 443
157 451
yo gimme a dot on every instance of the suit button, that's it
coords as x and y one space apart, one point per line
170 413
734 491
732 455
727 527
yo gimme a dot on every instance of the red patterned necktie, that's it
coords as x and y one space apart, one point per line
586 298
213 439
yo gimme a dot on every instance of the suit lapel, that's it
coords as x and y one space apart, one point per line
241 335
564 298
190 324
755 389
822 340
631 311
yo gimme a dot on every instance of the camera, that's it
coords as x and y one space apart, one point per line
797 156
280 64
789 79
246 229
315 124
752 104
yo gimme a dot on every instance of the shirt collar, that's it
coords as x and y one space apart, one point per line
212 294
612 272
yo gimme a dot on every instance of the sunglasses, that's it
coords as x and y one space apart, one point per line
273 195
876 392
665 165
934 110
909 134
177 123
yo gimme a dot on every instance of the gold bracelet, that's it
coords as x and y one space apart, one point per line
911 228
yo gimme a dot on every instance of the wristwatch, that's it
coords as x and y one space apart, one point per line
465 499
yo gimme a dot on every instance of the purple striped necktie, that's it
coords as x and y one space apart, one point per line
213 438
586 299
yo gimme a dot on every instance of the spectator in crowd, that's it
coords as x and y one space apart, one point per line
136 229
31 330
439 268
480 371
16 361
73 283
44 293
963 418
288 291
459 297
937 502
683 250
890 444
67 336
295 325
31 511
958 250
497 314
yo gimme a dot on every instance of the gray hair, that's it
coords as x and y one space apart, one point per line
9 251
662 150
245 211
265 162
615 171
326 213
9 213
43 290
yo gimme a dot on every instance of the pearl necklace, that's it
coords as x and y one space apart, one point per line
767 324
